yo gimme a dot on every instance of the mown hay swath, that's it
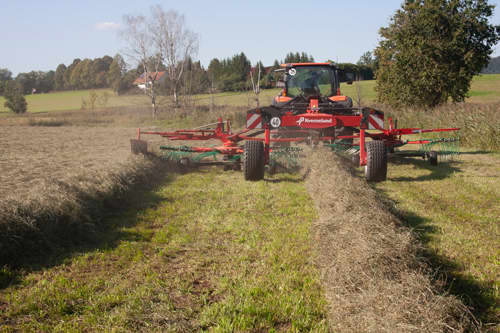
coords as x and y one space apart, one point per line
373 276
62 213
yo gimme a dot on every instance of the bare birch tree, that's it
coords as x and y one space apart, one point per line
140 48
160 38
256 86
175 42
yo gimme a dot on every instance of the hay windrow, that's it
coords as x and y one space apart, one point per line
57 184
63 213
374 278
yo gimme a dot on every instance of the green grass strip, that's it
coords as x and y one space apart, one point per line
207 251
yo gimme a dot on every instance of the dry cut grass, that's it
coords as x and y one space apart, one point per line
57 169
30 156
374 277
55 183
167 118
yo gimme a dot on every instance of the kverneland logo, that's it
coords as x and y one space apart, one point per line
314 121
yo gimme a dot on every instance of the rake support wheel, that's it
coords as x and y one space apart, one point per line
433 158
253 160
376 161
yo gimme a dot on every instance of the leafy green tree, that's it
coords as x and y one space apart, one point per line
195 79
151 63
74 79
231 74
82 75
366 59
361 72
98 71
87 79
117 70
47 82
59 77
127 81
68 72
297 57
36 81
432 49
5 75
14 98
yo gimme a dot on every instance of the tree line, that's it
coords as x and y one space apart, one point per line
229 74
80 74
222 75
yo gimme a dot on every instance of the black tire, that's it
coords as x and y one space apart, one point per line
253 160
376 161
433 158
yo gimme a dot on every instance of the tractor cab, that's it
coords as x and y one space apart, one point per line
305 81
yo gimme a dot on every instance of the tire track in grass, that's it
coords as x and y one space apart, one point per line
216 253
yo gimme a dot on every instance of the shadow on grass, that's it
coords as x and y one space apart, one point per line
479 297
477 152
288 176
108 231
441 171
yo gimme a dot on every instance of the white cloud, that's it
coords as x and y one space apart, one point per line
107 26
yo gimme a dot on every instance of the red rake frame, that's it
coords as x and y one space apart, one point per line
369 123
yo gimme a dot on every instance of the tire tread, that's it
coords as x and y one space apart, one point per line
376 164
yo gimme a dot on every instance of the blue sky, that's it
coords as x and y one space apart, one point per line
39 35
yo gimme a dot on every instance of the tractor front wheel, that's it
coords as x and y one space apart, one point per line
376 161
253 160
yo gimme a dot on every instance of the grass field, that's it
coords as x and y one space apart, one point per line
206 250
454 209
485 89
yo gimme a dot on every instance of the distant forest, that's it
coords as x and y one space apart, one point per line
493 67
229 74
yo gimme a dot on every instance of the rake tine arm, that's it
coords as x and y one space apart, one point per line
408 131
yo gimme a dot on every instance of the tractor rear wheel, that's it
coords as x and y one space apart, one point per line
253 160
376 161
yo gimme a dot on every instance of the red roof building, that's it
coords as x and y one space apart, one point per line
157 76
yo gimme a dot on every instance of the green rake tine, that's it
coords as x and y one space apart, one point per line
444 147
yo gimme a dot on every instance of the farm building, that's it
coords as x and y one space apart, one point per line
158 77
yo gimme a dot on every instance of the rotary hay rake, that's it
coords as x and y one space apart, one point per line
251 149
310 109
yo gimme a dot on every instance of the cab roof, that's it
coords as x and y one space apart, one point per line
296 64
